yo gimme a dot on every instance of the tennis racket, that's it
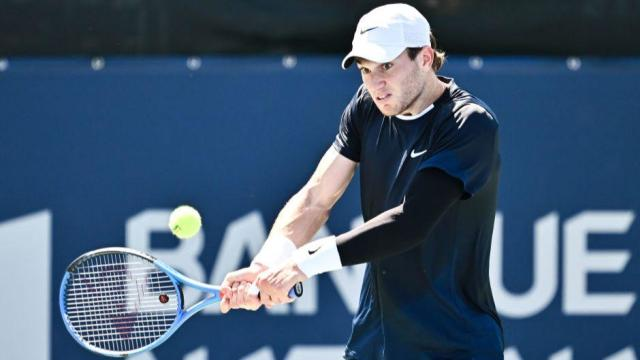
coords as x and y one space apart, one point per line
119 302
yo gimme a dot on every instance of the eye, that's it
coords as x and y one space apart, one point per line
387 66
364 70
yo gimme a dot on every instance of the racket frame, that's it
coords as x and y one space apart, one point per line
179 280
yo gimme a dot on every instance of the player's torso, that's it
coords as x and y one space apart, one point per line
409 302
391 153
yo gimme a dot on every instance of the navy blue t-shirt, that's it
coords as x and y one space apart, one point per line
433 301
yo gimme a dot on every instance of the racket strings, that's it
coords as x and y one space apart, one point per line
120 302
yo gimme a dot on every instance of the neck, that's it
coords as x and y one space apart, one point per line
434 88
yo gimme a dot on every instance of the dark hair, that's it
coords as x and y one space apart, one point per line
438 59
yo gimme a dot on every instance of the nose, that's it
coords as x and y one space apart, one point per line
376 82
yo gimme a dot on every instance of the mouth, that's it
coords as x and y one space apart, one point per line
383 97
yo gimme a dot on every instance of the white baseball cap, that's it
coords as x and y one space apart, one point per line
384 32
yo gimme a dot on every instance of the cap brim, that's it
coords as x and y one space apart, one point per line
372 52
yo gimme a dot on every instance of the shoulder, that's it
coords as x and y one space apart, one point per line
362 95
362 104
475 116
466 113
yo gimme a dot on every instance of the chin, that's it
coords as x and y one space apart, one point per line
387 111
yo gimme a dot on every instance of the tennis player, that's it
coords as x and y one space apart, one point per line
429 164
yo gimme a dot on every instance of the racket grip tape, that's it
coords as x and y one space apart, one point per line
296 291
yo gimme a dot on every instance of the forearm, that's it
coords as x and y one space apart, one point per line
308 209
405 226
300 218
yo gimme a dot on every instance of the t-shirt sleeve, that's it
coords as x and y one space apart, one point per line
347 141
466 148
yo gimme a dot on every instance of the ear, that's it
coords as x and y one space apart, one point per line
426 55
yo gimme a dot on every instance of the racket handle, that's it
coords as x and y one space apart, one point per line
295 292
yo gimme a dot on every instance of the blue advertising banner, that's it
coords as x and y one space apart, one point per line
97 152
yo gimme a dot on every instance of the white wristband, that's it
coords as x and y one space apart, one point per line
275 251
318 257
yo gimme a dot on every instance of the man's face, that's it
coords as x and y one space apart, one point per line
394 86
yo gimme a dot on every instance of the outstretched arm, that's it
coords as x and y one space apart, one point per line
295 225
309 208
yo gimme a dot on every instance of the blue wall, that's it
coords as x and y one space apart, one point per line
104 155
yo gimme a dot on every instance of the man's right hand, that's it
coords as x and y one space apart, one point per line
235 289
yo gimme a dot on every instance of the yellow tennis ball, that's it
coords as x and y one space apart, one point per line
184 222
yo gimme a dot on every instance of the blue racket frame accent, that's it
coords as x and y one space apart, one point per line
179 279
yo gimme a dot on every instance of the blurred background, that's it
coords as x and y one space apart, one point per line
114 112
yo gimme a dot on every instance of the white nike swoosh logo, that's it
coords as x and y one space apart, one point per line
415 154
